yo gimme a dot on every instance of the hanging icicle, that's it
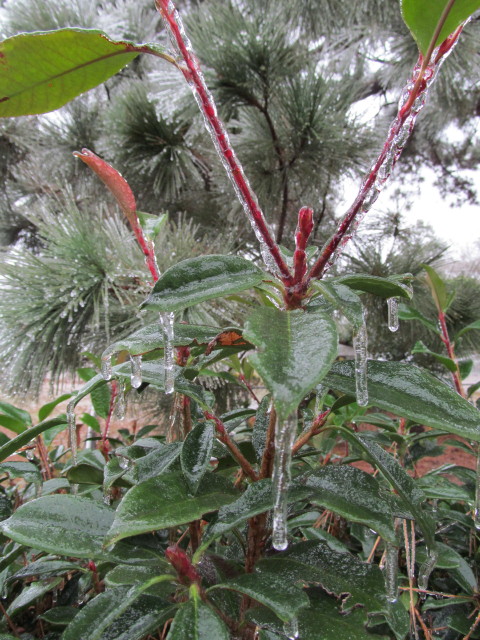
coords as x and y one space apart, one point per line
136 375
120 404
393 322
290 629
360 348
72 430
284 437
476 508
106 366
391 572
427 568
167 321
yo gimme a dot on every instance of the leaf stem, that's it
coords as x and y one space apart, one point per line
314 430
224 437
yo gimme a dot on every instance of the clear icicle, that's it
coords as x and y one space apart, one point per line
391 572
30 454
167 320
360 348
284 437
72 430
136 376
476 508
393 322
290 629
427 568
107 365
120 404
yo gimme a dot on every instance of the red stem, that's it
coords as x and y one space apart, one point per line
457 380
404 112
195 78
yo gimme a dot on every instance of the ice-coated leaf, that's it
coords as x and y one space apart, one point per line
26 470
42 71
30 594
198 279
59 616
61 524
197 621
196 453
294 351
125 574
165 501
383 287
121 613
422 17
343 299
257 499
156 462
46 568
411 392
353 494
281 595
457 566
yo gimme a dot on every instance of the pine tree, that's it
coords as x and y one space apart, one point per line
291 81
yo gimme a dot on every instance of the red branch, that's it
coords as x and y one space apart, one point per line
205 100
224 437
457 380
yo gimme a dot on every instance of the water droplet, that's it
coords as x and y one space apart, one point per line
136 377
290 629
30 453
393 322
167 321
427 568
360 348
391 572
123 462
284 437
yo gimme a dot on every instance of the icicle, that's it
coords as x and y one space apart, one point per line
120 405
427 568
391 572
123 462
360 347
290 629
284 437
107 365
30 454
393 322
72 430
136 377
476 508
167 321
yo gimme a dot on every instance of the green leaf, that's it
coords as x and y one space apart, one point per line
354 495
295 350
422 17
30 594
437 286
46 568
282 596
125 574
59 616
152 224
410 392
61 524
118 614
465 368
156 462
470 327
419 347
450 559
165 501
407 313
26 470
44 70
383 287
203 278
197 621
47 409
196 453
19 414
343 299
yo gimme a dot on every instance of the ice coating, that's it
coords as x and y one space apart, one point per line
136 375
391 572
476 508
107 364
167 321
360 348
290 629
284 437
427 568
393 322
120 405
72 430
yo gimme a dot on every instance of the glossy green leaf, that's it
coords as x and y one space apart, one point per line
196 453
419 347
42 71
47 409
257 499
437 286
9 448
465 367
203 278
165 501
411 392
197 621
471 327
294 352
19 414
12 424
26 470
157 461
279 594
382 287
46 568
343 299
354 495
30 594
125 574
422 17
118 614
407 313
59 616
61 524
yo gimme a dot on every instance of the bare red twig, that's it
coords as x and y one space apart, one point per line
206 103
